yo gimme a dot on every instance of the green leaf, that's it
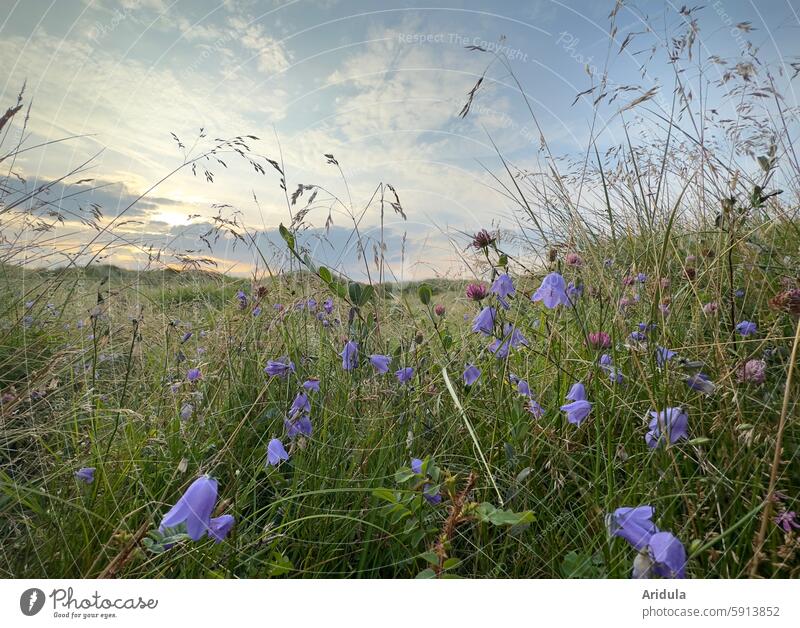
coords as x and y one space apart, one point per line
339 288
499 517
425 293
325 275
583 566
700 440
426 574
385 494
287 236
503 261
430 557
451 563
360 293
280 564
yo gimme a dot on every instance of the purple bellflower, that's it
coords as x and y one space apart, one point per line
276 452
471 374
194 509
279 368
579 409
484 322
552 292
427 488
503 286
673 421
746 328
380 362
404 374
349 355
86 474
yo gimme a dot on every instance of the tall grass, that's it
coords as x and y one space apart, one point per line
93 365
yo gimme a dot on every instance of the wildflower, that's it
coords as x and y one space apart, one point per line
711 308
220 527
739 293
404 375
607 364
186 337
327 305
574 292
311 384
85 474
427 488
746 328
552 292
664 355
637 336
257 311
298 425
186 411
471 374
665 283
280 367
635 525
300 405
278 307
579 409
660 553
311 304
673 421
690 272
476 292
701 382
608 262
193 375
380 362
787 301
523 388
512 338
484 322
483 239
276 452
573 259
667 554
438 309
787 521
349 355
193 509
534 408
599 340
576 392
641 278
241 297
503 286
752 372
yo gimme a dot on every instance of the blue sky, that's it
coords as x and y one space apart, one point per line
377 84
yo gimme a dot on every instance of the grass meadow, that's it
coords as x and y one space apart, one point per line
122 389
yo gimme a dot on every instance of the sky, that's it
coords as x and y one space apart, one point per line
378 85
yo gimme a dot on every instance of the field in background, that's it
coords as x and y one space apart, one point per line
681 251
